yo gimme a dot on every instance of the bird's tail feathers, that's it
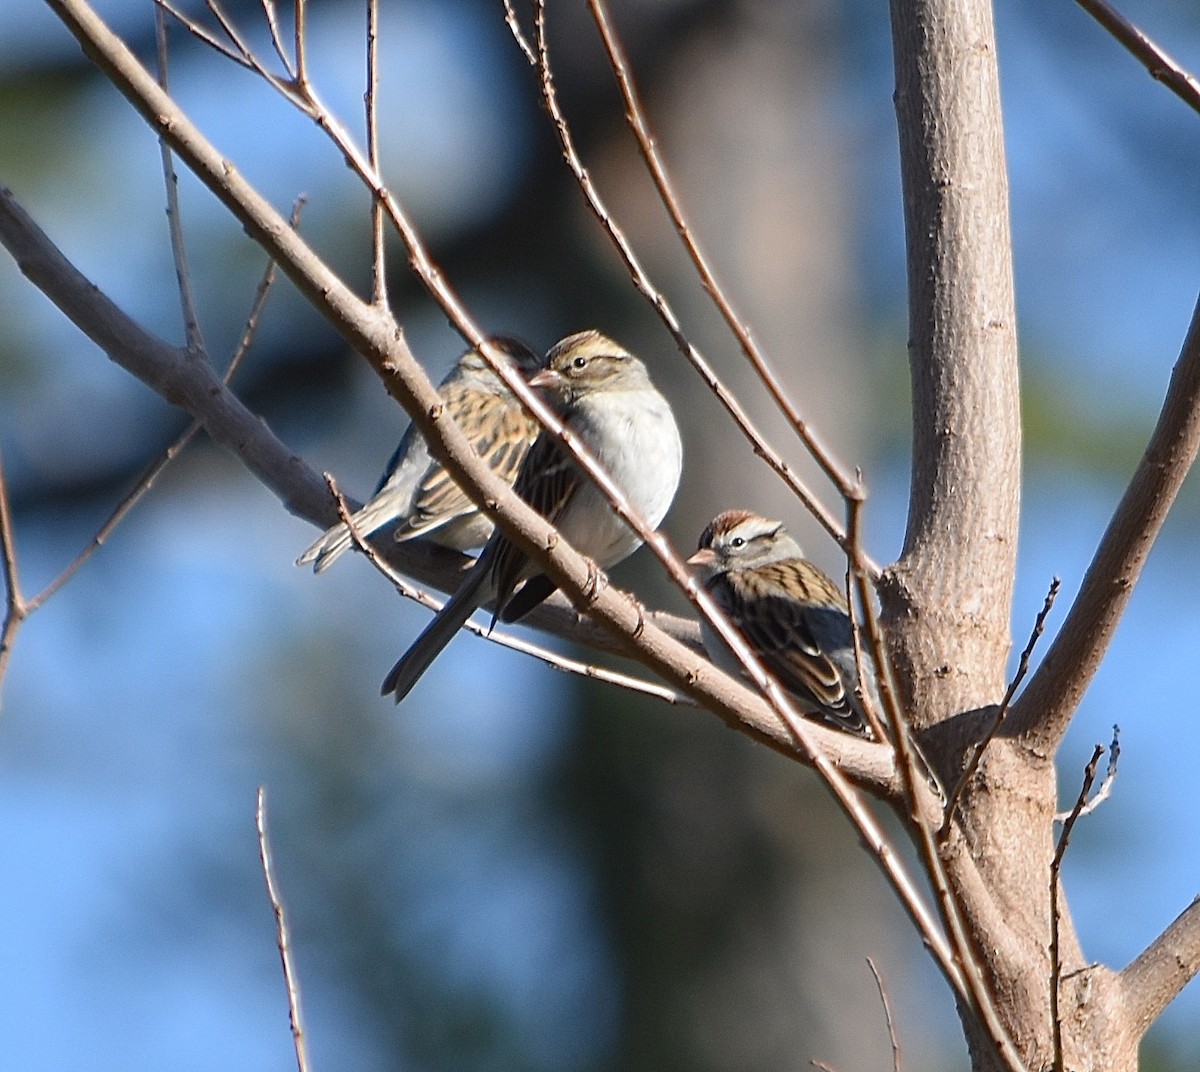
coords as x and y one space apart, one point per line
438 633
334 542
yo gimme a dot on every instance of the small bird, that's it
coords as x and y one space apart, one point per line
604 396
791 614
416 490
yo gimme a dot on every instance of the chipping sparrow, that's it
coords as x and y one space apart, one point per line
416 489
604 396
791 614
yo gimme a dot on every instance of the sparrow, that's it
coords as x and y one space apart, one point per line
604 396
417 491
793 616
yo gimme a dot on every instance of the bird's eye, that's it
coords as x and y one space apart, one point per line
737 541
579 362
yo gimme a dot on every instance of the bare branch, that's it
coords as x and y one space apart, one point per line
1161 66
887 1013
18 607
1045 708
635 115
643 284
378 259
501 638
191 322
1152 981
1089 776
514 27
282 936
15 610
272 16
1110 776
978 994
202 34
301 16
977 750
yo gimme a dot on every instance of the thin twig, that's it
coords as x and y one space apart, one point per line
22 608
229 27
191 321
259 303
973 761
503 638
378 260
15 609
1089 776
643 284
636 117
201 34
272 16
1105 790
1161 66
282 936
853 592
514 27
301 16
887 1013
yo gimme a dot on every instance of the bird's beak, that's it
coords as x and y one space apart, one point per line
547 377
705 558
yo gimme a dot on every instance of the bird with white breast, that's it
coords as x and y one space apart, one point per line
605 398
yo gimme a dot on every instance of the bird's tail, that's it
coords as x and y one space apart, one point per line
335 541
474 591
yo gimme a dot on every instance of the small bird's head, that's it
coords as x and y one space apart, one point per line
740 539
518 354
589 362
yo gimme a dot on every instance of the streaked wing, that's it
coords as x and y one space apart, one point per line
547 479
780 628
503 435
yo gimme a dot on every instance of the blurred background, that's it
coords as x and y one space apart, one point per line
514 870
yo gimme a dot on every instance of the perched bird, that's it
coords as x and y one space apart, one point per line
604 396
417 491
791 614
